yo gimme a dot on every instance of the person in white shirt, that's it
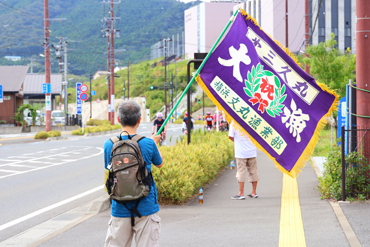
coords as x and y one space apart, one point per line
246 159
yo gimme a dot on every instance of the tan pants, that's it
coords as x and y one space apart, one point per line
147 230
249 164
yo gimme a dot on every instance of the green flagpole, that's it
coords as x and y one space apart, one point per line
199 69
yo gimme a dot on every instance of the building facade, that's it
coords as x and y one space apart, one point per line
334 16
270 15
203 24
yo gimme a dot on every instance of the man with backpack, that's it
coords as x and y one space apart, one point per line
132 189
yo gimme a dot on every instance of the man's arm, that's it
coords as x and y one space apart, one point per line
156 139
231 138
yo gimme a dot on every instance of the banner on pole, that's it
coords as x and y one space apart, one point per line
260 87
78 99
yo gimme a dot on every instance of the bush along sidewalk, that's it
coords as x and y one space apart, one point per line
356 174
45 135
96 129
189 167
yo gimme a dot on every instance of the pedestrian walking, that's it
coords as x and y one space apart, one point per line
246 160
136 219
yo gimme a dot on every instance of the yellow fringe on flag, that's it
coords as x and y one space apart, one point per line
315 137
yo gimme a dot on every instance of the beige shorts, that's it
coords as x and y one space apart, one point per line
146 231
249 164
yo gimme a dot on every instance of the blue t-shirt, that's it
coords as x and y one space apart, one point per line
149 204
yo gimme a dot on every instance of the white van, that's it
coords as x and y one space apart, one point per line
28 117
57 117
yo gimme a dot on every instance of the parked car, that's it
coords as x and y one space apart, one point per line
28 117
57 118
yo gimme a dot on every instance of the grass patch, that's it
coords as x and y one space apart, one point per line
44 135
323 146
96 129
189 167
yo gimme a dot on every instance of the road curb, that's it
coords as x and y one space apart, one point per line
316 168
346 227
102 133
56 138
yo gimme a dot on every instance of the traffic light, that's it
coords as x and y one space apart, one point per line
153 87
198 101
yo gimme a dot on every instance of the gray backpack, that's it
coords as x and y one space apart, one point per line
128 178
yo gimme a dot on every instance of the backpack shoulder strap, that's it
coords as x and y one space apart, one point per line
114 139
137 138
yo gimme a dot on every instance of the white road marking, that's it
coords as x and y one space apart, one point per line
43 210
8 171
60 162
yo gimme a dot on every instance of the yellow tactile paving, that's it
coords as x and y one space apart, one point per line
291 225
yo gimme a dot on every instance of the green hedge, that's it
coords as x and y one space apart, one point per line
44 135
96 129
188 167
357 176
97 122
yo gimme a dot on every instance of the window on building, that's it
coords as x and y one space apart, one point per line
321 31
254 8
259 12
335 31
231 13
347 32
249 8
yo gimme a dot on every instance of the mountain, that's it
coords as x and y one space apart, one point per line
142 23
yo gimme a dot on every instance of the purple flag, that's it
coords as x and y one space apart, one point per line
266 95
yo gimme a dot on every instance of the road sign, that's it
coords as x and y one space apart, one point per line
98 101
84 88
78 100
84 96
48 102
1 94
93 93
46 88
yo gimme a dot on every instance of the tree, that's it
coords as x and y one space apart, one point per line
329 66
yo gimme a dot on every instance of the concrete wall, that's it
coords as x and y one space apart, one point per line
100 110
10 130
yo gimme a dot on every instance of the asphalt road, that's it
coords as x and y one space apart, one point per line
40 180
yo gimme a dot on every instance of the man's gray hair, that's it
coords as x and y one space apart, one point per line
129 113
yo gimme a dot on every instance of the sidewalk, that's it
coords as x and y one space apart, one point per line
221 221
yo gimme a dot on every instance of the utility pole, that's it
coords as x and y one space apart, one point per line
66 83
363 73
112 33
307 32
47 64
165 74
108 76
128 80
286 24
60 69
165 79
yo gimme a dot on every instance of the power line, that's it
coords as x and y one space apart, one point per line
6 6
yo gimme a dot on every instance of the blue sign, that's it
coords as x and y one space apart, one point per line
78 100
342 112
93 93
1 94
46 88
